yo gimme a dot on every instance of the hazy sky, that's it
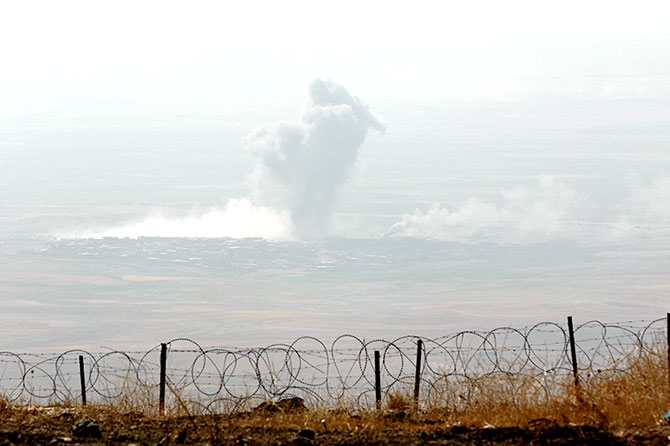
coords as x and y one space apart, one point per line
169 57
148 99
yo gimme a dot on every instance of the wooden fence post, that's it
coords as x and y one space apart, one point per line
82 380
378 382
161 395
417 374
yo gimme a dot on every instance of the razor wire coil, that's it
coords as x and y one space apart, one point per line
226 378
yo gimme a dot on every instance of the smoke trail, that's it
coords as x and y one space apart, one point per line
238 219
302 164
523 214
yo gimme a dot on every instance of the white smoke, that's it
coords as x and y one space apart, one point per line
521 214
238 219
301 166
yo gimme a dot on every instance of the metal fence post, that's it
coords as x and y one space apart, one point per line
573 350
417 374
161 396
82 380
378 382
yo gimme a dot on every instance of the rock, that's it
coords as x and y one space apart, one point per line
301 441
86 429
180 438
307 433
266 406
286 405
459 429
293 404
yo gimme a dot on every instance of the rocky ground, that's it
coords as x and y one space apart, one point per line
54 426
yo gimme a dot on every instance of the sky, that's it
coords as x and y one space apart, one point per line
160 55
481 121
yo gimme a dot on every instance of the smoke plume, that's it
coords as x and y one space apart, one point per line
520 215
300 168
302 164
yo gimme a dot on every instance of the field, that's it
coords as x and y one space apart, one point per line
130 294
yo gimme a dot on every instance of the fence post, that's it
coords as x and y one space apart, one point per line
573 350
667 318
161 395
378 382
417 374
82 380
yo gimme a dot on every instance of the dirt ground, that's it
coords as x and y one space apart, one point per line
55 426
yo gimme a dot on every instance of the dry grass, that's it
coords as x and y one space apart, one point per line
633 396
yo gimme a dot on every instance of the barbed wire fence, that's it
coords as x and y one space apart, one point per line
349 371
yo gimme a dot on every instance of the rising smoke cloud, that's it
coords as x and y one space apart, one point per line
301 165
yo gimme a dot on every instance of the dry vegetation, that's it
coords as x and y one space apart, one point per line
608 408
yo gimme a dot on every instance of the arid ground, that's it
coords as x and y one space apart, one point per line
63 425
